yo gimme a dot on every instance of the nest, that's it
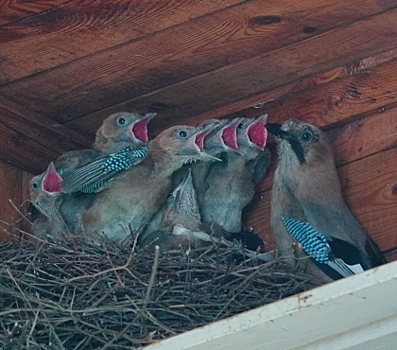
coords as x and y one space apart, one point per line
77 294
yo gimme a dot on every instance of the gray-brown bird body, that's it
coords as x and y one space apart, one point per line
130 201
181 208
306 197
229 185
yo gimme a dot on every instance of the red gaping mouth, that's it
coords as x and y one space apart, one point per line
229 136
139 129
199 141
257 133
52 180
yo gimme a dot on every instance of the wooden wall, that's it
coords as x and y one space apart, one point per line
14 186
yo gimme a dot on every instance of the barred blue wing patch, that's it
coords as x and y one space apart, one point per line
315 245
93 176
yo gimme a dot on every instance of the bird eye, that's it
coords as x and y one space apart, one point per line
121 121
35 185
182 133
240 126
307 136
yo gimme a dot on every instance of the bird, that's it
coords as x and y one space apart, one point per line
45 195
230 184
309 217
222 138
181 208
130 201
120 142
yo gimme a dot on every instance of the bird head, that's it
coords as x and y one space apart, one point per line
252 136
302 140
223 137
121 130
48 183
183 143
257 133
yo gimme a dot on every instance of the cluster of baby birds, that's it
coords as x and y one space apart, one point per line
190 184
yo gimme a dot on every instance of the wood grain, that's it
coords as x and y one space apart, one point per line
208 43
10 189
81 28
14 10
29 141
341 47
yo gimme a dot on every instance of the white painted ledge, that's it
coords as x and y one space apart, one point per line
355 313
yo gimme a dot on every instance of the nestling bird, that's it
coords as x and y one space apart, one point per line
222 138
230 185
181 208
121 142
130 201
308 213
45 194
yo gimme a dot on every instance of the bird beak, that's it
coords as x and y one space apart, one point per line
275 129
257 133
199 141
52 180
228 135
187 179
139 128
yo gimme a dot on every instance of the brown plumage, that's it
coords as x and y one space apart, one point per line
135 196
306 198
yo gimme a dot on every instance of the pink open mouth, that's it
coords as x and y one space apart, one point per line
139 129
52 180
199 141
229 136
257 133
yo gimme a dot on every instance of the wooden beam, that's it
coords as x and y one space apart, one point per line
230 37
358 312
14 10
341 48
29 141
10 189
80 28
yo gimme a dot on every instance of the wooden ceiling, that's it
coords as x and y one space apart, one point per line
66 65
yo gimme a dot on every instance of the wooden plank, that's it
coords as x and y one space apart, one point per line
29 141
369 186
13 10
25 200
338 310
208 43
338 48
82 27
10 189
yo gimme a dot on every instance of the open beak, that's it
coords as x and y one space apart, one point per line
139 128
199 141
257 133
228 135
52 180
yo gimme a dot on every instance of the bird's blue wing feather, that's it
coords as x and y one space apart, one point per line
315 245
93 176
